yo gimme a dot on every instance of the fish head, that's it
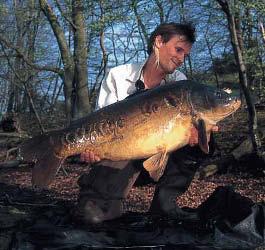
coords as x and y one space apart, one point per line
212 104
207 105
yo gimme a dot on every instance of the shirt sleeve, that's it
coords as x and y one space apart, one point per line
108 92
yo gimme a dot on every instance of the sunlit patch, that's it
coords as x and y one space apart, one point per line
174 135
227 90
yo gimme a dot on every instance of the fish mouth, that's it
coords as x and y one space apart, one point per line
235 105
232 106
214 116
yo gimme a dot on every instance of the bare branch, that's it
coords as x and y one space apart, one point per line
139 20
65 15
113 45
224 6
27 92
160 10
59 34
103 66
170 8
20 53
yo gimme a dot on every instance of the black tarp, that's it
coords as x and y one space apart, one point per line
228 221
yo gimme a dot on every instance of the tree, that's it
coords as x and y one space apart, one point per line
231 10
74 73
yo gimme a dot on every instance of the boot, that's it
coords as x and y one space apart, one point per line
102 191
95 211
178 175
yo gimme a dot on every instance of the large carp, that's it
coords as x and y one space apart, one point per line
149 126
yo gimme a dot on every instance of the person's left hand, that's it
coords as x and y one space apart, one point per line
89 157
194 137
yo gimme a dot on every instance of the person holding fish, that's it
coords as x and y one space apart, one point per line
103 189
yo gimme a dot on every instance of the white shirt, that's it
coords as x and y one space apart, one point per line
120 83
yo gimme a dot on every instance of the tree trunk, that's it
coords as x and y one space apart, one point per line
81 104
14 101
74 73
212 58
142 29
11 95
32 30
68 78
237 48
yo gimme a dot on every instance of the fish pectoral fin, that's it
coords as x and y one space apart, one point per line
156 164
203 136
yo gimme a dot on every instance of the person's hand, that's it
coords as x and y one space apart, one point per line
194 137
89 157
215 128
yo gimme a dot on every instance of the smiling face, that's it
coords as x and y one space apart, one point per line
172 53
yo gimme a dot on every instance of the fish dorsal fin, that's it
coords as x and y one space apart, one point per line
203 136
156 164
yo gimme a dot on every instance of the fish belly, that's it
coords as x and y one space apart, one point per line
145 141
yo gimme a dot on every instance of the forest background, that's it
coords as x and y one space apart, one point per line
55 54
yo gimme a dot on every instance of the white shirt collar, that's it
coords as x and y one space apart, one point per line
137 72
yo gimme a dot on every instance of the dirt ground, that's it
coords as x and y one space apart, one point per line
232 131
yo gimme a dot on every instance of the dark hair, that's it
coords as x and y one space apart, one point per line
167 30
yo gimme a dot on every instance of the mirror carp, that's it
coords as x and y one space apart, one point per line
148 126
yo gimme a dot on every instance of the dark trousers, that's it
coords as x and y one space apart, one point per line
105 184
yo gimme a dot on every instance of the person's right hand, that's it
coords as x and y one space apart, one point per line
89 157
194 138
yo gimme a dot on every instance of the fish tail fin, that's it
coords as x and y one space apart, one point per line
45 170
40 151
28 149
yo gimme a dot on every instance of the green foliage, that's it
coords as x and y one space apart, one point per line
257 5
102 14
